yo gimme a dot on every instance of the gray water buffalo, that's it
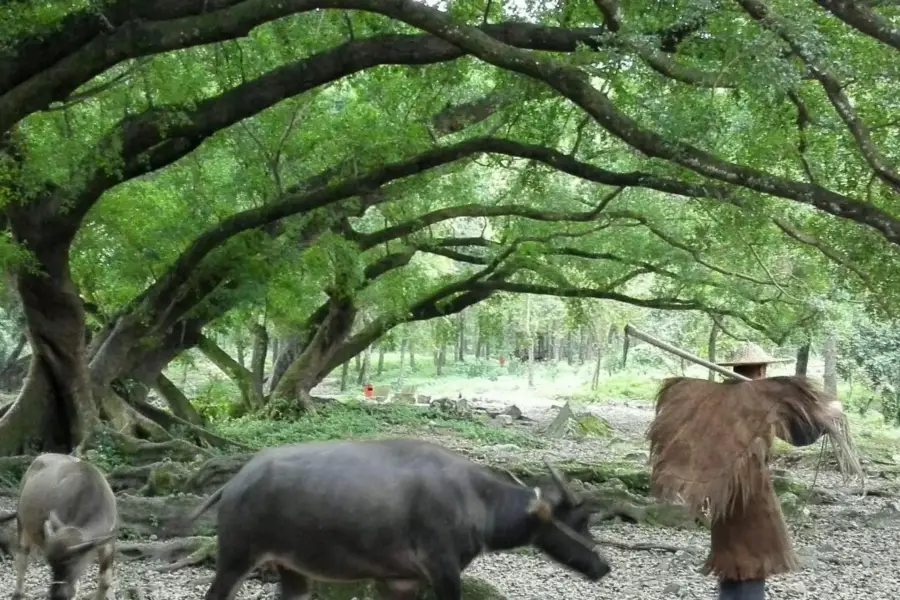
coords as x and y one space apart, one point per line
67 510
405 513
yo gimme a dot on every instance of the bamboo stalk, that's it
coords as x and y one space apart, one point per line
629 330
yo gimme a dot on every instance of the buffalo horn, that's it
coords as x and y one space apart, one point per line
557 477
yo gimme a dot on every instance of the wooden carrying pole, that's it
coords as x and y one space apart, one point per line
629 330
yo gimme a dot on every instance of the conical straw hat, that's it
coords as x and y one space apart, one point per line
752 354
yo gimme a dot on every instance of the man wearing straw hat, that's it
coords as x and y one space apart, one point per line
710 445
751 361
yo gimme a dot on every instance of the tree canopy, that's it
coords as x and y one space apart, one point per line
334 169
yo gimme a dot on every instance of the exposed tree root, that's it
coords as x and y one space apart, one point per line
179 552
169 420
145 517
640 546
147 452
215 472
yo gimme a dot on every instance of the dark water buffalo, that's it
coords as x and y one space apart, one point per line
402 512
67 510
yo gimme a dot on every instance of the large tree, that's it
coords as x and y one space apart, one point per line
266 126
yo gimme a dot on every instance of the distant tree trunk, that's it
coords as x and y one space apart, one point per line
530 335
412 356
479 340
258 357
178 403
345 371
358 364
802 360
601 352
403 344
276 348
239 349
570 354
289 349
829 352
461 345
711 348
439 360
364 368
610 338
582 346
380 371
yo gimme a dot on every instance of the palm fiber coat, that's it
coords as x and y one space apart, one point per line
709 448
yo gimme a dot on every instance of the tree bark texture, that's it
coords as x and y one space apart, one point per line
258 358
802 360
711 347
55 409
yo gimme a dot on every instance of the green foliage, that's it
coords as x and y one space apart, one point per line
872 352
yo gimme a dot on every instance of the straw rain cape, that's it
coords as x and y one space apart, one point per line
710 442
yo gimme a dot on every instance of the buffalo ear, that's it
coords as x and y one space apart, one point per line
541 509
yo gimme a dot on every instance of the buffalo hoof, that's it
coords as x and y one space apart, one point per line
18 596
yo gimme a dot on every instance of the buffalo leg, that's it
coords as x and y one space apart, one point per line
401 589
230 572
22 555
447 586
105 572
294 586
750 589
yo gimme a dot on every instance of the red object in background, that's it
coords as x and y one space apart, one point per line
501 360
367 390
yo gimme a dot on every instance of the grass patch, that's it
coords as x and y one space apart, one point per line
359 420
620 386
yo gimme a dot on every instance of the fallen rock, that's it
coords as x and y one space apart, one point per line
513 411
504 420
560 424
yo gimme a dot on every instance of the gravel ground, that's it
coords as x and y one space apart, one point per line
850 551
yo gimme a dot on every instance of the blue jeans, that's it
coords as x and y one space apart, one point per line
750 589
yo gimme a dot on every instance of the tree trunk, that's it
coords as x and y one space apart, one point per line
610 338
530 335
258 358
830 355
439 361
364 369
711 348
178 403
239 349
345 372
238 374
288 350
412 356
582 347
55 409
802 360
380 370
276 348
311 366
403 344
461 345
601 351
570 354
